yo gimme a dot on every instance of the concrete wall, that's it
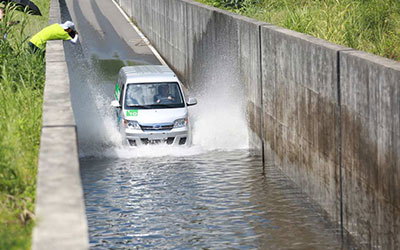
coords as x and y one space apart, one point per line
370 111
328 116
300 111
250 74
60 212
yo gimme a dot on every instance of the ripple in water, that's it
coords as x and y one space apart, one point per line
214 200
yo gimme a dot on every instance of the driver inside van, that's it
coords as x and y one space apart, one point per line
163 95
131 100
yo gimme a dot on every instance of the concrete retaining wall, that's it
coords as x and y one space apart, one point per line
300 110
250 74
60 211
328 116
370 111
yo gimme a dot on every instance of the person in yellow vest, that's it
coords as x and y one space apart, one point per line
65 31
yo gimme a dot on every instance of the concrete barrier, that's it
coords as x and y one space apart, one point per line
301 110
327 115
251 75
60 212
370 111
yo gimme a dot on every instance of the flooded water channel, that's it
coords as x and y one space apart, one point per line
212 200
213 195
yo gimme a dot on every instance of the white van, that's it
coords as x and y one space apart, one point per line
151 106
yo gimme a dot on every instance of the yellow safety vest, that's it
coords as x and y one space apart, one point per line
52 32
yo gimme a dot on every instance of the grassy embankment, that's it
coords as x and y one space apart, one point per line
21 91
368 25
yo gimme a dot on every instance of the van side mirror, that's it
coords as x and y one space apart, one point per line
115 104
192 101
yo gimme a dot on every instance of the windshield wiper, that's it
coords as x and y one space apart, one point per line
163 105
152 106
139 106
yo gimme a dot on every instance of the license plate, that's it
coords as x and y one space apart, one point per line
159 137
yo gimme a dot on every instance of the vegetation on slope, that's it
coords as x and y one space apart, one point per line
22 76
368 25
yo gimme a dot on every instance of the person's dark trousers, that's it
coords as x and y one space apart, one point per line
34 48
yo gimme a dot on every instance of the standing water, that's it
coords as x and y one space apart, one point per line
213 195
211 200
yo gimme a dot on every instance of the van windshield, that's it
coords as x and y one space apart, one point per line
153 96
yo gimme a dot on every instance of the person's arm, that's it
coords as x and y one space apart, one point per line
75 39
73 35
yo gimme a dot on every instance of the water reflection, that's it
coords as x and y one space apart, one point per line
216 200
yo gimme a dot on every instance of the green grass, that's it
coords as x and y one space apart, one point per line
22 76
368 25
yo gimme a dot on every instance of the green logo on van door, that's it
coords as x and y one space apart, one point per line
117 92
133 112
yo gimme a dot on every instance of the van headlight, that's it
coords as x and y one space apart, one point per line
132 124
180 123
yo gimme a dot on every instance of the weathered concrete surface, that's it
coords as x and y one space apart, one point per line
136 11
57 108
301 112
60 211
370 94
250 75
126 5
59 208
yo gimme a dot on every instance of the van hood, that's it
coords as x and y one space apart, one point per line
151 116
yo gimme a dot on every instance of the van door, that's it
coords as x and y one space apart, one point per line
118 93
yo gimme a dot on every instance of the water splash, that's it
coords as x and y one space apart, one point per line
218 120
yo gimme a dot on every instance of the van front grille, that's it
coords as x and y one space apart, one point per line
157 127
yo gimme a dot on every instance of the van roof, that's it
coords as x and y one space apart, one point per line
145 70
